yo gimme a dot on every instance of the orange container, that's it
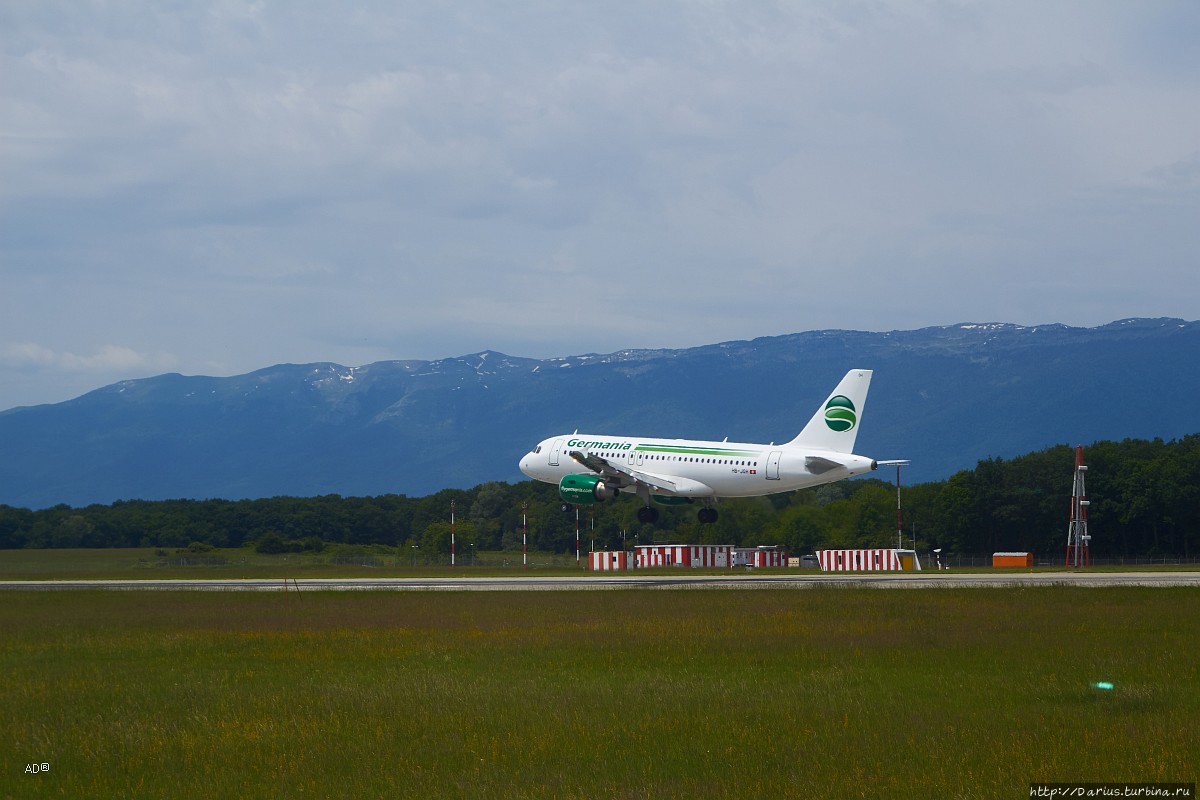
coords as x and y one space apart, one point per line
1012 559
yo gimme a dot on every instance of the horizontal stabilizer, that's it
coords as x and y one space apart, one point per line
818 466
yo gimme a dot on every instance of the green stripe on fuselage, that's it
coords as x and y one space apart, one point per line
695 451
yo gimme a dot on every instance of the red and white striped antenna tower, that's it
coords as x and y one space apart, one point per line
1078 539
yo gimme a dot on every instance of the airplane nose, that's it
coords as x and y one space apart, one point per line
524 465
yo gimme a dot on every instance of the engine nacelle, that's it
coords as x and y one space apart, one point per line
586 489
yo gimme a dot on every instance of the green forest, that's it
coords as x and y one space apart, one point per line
1145 501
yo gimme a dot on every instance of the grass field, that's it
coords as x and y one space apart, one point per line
629 694
150 563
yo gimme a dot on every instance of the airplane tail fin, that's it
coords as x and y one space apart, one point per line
835 425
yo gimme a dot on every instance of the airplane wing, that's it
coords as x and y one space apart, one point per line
626 477
596 463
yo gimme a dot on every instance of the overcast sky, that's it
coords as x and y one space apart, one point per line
215 187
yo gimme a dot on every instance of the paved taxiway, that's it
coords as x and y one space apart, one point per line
730 581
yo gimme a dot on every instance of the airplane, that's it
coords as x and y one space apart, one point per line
593 468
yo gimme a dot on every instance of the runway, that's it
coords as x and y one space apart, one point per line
599 582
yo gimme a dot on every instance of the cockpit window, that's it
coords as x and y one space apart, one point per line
537 449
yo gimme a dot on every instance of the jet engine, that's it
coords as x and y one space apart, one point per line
586 489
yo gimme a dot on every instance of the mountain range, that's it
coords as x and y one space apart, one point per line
944 397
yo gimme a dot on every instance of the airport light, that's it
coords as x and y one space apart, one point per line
899 519
524 535
452 533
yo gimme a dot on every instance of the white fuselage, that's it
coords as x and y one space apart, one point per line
721 469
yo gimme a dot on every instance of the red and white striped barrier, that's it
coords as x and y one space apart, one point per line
870 560
663 555
760 557
609 560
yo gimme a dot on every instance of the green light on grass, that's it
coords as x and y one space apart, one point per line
1103 686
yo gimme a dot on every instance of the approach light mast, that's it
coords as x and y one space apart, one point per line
1078 540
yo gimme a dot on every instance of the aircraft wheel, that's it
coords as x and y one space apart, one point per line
648 515
707 515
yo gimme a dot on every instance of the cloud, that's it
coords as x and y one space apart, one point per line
105 359
247 183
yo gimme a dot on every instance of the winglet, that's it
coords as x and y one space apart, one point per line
835 425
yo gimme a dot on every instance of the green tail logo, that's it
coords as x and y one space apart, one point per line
839 414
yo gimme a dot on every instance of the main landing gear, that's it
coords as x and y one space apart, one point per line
707 515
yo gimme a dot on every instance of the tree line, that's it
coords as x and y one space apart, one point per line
1145 500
